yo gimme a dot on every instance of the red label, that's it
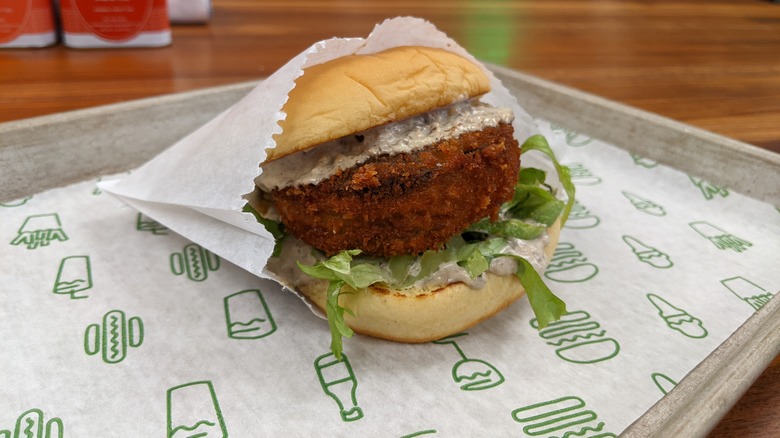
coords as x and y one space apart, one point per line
13 17
114 20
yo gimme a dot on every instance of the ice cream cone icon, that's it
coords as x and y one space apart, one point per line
568 265
578 338
73 276
40 230
708 190
644 205
31 424
644 162
339 383
720 238
562 417
648 254
678 319
472 374
582 176
663 382
747 291
193 411
195 261
248 316
581 218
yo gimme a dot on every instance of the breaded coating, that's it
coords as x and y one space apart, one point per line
409 202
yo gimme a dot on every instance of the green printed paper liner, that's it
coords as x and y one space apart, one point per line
234 355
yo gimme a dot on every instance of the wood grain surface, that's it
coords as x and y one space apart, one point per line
712 64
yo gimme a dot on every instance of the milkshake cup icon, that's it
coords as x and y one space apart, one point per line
581 218
663 382
115 337
143 223
644 205
578 339
193 411
31 424
563 417
472 374
40 230
708 190
678 319
582 176
648 254
568 265
338 381
747 291
195 261
73 276
248 316
720 238
644 162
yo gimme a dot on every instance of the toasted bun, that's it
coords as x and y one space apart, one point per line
427 315
358 92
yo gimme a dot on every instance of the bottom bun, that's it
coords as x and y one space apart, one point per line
428 315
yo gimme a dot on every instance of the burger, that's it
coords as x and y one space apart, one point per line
397 199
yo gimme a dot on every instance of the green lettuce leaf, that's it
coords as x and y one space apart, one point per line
539 143
275 228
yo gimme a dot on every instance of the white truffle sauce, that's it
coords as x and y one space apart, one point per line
319 163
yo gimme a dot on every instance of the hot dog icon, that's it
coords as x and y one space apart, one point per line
115 336
568 265
578 339
40 230
30 424
195 261
582 176
581 218
565 416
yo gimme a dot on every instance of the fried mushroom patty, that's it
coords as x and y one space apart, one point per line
409 202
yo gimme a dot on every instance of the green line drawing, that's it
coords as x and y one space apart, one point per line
472 374
678 319
40 230
73 276
710 191
644 162
663 382
421 433
339 382
581 218
720 238
16 202
30 424
568 265
647 254
578 339
143 223
747 291
116 336
96 190
573 138
247 315
195 261
564 417
644 205
193 411
582 176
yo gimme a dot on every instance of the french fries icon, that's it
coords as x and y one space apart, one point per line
115 337
248 316
648 254
195 261
30 424
568 265
678 319
143 223
710 191
720 238
578 339
581 218
565 416
747 291
193 411
40 230
582 176
472 374
73 276
644 205
338 381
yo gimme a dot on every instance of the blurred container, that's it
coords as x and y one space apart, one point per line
27 23
189 11
115 23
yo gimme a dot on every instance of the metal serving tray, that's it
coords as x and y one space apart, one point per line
52 151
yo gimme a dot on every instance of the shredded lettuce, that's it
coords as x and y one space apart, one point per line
539 143
275 228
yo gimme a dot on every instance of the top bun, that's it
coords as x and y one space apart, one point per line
357 92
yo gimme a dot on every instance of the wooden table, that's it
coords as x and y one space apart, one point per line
714 65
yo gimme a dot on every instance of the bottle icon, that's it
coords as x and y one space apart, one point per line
568 265
582 176
678 319
193 411
563 417
472 374
115 337
143 223
663 382
644 205
195 261
30 424
720 238
747 291
648 254
247 315
339 383
40 230
578 339
73 276
581 218
708 190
